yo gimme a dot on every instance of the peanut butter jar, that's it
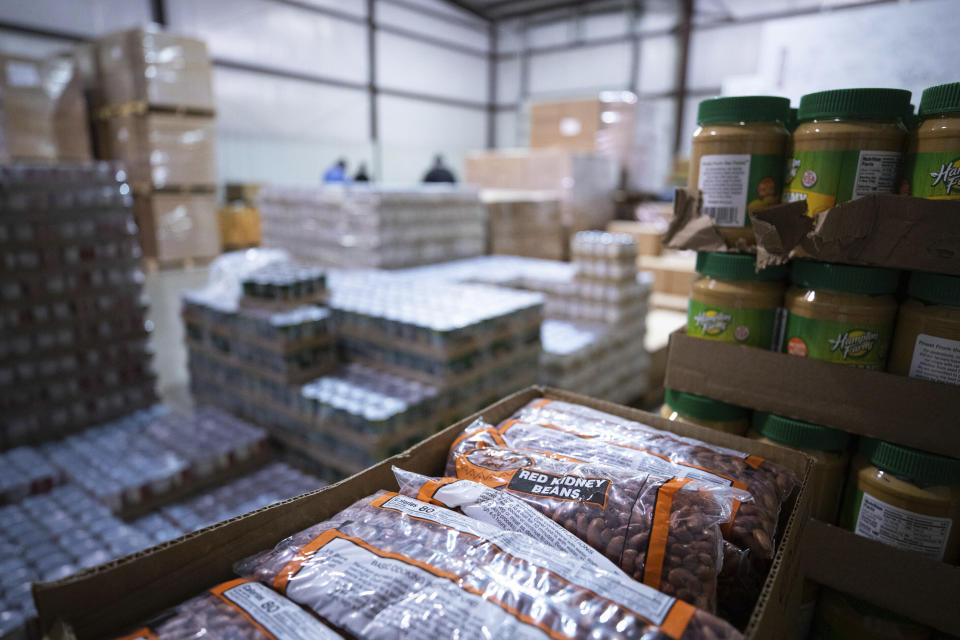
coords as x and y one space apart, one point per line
926 343
849 143
737 160
706 412
933 160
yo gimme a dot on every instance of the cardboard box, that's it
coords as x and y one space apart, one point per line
904 410
899 581
525 223
106 599
879 230
603 125
673 273
585 182
156 68
26 111
239 226
246 192
161 150
71 123
648 235
174 226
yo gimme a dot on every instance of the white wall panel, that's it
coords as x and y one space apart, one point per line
88 17
252 157
409 65
722 51
509 38
658 64
413 131
659 15
354 7
508 136
275 35
606 25
550 34
17 44
389 14
508 81
581 69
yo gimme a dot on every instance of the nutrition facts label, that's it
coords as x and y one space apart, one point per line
936 359
876 173
724 180
281 618
903 529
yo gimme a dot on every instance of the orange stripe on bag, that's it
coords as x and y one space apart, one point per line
220 589
678 619
140 634
542 402
656 550
754 461
430 487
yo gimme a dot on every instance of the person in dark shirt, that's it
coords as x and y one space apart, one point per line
336 173
361 175
439 172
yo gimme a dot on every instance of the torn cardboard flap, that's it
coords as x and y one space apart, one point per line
690 229
895 231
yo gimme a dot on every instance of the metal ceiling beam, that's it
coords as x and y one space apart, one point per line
468 8
532 7
440 15
686 27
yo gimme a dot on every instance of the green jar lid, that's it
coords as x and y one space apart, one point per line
701 408
920 466
942 98
797 433
855 104
871 281
743 109
736 266
935 288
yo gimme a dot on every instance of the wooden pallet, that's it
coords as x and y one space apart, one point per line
153 265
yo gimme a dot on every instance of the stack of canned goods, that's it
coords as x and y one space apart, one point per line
282 285
148 453
69 260
24 472
373 227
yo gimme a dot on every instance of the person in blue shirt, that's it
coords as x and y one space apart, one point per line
336 173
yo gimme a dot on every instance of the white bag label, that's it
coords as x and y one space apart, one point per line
280 617
724 181
901 528
936 359
876 173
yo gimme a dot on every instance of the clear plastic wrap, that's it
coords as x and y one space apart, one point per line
550 426
659 529
391 565
235 610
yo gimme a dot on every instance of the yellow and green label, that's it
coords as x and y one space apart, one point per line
753 327
735 184
827 178
934 175
859 345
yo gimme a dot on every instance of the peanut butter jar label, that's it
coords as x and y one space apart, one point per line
826 178
933 175
735 184
753 327
861 345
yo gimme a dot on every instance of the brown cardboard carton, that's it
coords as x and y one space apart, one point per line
174 226
161 150
673 272
104 600
648 235
898 581
878 230
603 125
905 410
26 111
155 68
525 223
239 226
71 124
586 182
245 192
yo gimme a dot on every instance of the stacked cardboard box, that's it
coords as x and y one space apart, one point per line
73 343
373 227
43 112
155 114
585 182
603 125
525 223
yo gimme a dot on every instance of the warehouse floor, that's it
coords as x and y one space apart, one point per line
164 289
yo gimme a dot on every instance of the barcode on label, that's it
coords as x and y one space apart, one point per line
723 215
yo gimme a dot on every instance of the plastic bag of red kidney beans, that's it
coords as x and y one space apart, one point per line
236 610
393 565
661 530
585 434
